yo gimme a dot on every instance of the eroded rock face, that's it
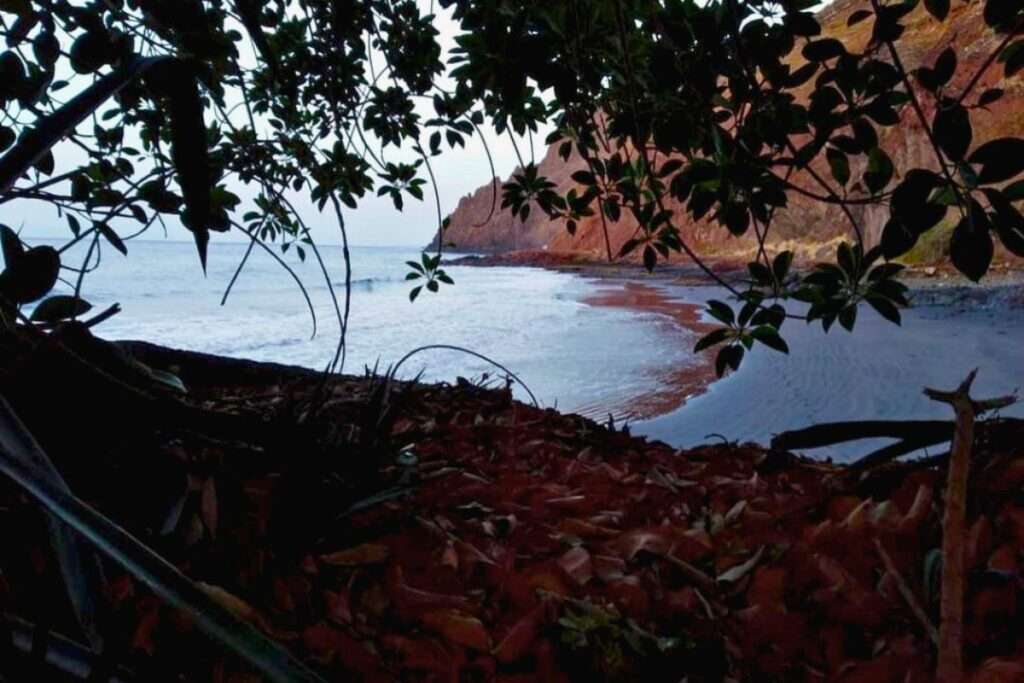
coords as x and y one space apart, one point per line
810 228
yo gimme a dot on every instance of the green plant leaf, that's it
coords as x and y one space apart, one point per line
61 307
31 276
11 244
770 337
112 237
952 128
728 357
721 311
712 338
937 8
971 248
879 172
885 308
1000 160
177 82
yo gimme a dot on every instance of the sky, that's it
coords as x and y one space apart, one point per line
374 223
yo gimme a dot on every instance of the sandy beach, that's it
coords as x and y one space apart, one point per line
877 372
675 385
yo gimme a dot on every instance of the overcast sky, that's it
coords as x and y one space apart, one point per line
374 223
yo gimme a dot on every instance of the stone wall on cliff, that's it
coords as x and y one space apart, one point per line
807 226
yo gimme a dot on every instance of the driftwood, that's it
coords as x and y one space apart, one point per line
829 433
912 435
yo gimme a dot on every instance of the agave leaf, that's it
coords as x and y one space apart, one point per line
79 564
76 517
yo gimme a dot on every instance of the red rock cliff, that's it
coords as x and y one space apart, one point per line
806 226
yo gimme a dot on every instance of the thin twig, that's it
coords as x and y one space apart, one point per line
908 594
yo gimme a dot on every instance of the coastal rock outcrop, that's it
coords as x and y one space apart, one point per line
810 228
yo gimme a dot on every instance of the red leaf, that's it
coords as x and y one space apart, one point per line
520 637
577 565
411 599
459 628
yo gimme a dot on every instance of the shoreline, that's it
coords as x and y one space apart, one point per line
675 386
925 278
933 291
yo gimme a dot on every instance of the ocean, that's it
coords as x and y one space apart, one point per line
573 355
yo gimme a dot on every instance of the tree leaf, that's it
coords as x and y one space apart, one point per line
7 137
1000 13
734 574
839 164
1000 160
20 7
848 317
781 264
721 311
859 16
990 96
728 357
770 337
910 202
937 8
650 258
712 338
1014 57
50 129
112 237
823 50
885 308
13 249
953 133
945 66
879 171
1012 237
971 247
31 276
60 307
177 81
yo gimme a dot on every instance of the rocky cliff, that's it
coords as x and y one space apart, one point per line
806 226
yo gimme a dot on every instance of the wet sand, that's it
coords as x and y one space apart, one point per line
875 373
674 386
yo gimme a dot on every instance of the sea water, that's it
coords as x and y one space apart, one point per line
573 355
534 322
877 372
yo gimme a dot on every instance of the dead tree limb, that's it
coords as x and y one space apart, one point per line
891 452
951 625
830 433
913 435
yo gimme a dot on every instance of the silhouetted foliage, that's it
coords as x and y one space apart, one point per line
713 105
716 105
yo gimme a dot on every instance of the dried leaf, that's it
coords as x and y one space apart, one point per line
367 553
577 565
459 628
739 571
